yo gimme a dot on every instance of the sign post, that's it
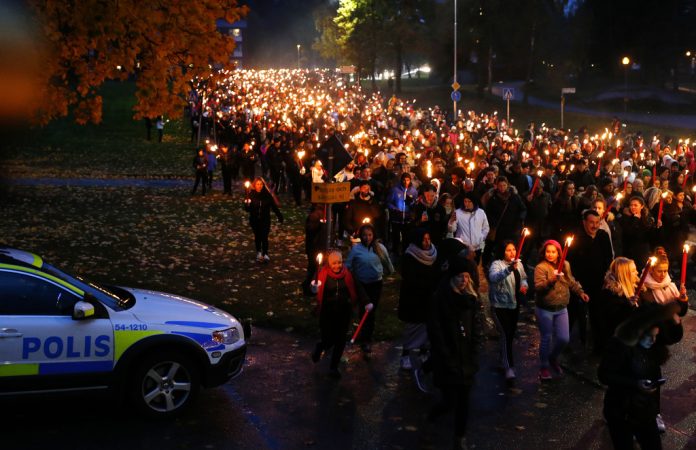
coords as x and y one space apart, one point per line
508 94
564 91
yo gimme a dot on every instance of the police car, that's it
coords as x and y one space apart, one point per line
60 332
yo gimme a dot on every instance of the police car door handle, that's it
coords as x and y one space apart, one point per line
9 333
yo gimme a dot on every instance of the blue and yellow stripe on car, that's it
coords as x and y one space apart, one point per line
123 340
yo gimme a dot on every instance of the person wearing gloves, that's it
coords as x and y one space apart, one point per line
631 369
507 281
552 297
369 261
470 224
258 203
337 295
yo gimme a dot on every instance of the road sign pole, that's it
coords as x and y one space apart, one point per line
562 106
508 110
454 102
329 206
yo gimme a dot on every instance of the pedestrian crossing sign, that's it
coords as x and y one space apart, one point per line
508 93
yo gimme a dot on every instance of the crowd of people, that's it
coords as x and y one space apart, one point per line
449 200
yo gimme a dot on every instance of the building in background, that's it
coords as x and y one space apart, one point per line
237 31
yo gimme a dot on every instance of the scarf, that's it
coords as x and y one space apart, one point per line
425 257
664 292
344 273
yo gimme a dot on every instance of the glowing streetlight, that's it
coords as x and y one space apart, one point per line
298 55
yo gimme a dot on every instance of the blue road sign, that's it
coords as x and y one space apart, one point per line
456 96
508 93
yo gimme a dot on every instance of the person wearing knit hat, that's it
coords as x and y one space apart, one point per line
553 289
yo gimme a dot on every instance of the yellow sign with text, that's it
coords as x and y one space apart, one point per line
330 192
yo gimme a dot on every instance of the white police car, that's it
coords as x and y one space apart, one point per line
60 332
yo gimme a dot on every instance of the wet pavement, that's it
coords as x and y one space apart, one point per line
284 401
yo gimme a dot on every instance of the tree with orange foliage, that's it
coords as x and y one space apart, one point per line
163 44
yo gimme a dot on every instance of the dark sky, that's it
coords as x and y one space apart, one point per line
275 27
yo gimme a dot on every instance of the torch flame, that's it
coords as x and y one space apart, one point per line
686 248
366 220
319 258
569 240
525 231
653 260
247 184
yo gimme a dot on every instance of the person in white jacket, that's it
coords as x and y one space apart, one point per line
470 225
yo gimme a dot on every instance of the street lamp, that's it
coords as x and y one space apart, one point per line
298 55
625 61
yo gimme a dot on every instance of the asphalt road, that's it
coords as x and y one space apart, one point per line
284 401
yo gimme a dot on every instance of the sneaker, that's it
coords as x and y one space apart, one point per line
545 374
510 374
661 427
422 381
259 257
266 259
557 367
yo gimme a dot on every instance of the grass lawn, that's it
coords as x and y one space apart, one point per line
115 148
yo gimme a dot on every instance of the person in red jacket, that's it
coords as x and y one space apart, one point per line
337 294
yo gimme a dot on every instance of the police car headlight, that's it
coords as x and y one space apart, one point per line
228 336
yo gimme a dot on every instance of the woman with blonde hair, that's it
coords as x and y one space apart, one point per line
617 299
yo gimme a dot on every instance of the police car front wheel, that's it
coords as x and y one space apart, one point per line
164 384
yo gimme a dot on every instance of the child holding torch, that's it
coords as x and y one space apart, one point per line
337 294
553 288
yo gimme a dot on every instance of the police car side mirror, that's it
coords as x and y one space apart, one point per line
83 310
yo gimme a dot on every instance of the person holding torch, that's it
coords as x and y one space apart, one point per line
553 288
259 202
337 294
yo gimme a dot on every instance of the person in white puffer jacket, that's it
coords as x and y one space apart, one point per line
470 224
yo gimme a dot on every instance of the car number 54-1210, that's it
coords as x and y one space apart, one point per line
130 327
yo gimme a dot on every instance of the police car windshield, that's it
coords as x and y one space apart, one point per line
113 297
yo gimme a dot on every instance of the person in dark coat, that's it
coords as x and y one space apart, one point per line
226 162
505 211
337 295
430 215
564 212
200 166
581 176
615 302
247 159
455 333
419 277
363 206
631 369
591 256
258 203
637 231
315 240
